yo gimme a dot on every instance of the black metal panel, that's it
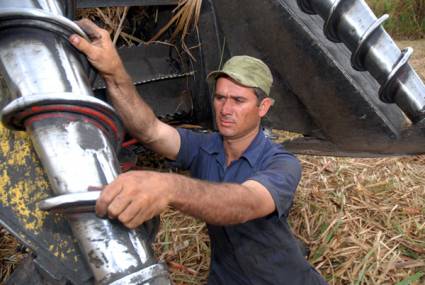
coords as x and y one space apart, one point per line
170 99
317 92
27 273
238 24
208 52
160 78
115 3
147 63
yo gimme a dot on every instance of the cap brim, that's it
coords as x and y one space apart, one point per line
212 77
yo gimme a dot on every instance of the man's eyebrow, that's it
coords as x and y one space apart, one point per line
233 96
237 97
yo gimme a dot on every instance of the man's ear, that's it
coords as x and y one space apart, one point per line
265 106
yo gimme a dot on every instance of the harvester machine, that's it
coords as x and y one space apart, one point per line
340 82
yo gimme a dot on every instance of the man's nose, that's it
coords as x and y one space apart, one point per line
227 107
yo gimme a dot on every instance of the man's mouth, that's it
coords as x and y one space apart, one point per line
225 122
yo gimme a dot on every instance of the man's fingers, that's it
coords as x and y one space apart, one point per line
137 220
90 28
82 45
106 197
118 205
132 211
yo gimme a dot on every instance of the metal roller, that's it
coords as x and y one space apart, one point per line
353 23
75 135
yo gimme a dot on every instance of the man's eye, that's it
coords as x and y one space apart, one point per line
239 100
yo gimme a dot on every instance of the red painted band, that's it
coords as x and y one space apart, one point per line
73 109
41 117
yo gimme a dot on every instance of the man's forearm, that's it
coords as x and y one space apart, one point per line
214 203
136 196
137 116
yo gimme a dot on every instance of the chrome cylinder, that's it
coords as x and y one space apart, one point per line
75 135
353 23
52 6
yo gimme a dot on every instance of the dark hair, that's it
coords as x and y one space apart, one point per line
260 94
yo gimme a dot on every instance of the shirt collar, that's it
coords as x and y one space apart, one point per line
214 145
251 154
254 150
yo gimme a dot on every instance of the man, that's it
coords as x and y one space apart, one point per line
243 184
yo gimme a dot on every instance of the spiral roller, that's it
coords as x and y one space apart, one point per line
353 23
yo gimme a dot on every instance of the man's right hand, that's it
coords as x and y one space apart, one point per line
139 119
101 51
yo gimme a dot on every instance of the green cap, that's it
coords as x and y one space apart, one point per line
247 71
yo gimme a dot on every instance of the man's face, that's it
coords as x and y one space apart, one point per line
237 110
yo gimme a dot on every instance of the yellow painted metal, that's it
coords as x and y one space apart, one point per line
21 186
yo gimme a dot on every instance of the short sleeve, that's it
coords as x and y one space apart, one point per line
190 143
280 175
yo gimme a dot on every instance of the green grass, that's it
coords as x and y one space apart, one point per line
407 17
409 280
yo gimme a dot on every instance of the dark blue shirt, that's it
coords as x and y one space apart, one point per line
261 251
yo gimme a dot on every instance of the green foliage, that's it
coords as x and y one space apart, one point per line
409 280
407 17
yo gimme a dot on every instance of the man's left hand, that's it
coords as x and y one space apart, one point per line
135 197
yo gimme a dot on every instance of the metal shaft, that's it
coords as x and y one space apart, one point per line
76 154
353 23
75 135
